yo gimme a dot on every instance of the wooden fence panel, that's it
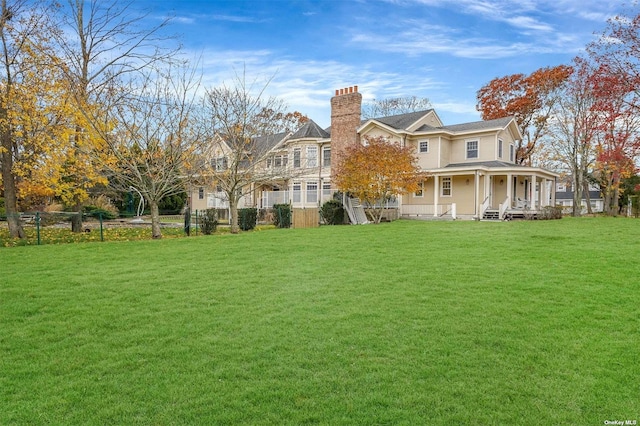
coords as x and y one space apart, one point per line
306 218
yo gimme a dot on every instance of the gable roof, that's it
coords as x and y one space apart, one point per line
402 121
310 130
479 125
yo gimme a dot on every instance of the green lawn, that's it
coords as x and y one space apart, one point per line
403 323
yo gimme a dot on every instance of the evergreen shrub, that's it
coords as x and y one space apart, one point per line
282 215
209 221
247 218
332 212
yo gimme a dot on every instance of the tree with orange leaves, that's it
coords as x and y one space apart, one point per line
528 98
378 170
616 84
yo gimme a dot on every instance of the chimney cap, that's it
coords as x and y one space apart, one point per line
347 90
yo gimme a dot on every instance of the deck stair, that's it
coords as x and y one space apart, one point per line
491 214
355 210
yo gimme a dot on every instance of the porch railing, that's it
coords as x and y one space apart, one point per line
502 207
269 198
425 209
296 198
484 206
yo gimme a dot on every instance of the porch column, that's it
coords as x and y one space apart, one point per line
510 189
476 187
544 198
436 192
487 188
534 206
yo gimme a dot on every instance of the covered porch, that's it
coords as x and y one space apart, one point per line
500 192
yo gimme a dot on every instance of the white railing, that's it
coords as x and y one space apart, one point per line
484 206
388 204
425 209
217 200
269 198
297 198
502 208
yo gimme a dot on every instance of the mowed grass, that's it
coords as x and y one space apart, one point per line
402 323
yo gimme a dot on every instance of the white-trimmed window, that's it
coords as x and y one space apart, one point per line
312 156
472 149
561 187
326 191
201 193
420 191
326 156
222 163
297 192
423 147
512 153
296 158
500 148
445 187
312 192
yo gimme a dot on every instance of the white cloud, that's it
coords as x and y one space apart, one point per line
308 85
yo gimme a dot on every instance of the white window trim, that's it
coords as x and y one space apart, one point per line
308 190
297 151
450 180
466 149
325 149
420 151
500 148
312 148
512 153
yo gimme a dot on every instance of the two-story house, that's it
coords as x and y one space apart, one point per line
471 166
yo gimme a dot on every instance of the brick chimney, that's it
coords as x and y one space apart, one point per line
346 110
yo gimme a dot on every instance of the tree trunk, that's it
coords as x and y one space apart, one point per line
577 194
10 192
615 201
587 197
156 233
233 215
76 219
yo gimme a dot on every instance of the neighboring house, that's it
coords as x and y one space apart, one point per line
564 197
471 166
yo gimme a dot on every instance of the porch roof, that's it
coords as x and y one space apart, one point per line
487 164
495 167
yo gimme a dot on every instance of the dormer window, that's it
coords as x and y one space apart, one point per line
221 163
472 149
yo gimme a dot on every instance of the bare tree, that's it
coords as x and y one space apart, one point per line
23 29
243 125
110 43
152 137
574 129
394 106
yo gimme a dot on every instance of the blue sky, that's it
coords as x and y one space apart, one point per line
444 50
